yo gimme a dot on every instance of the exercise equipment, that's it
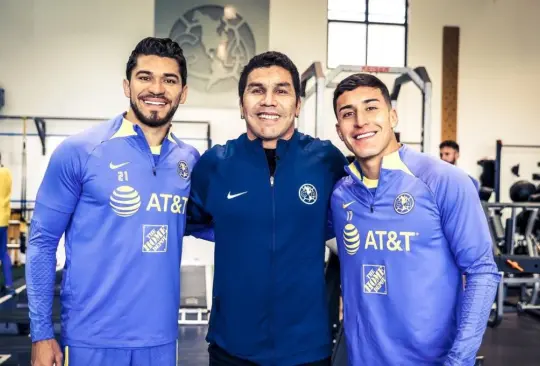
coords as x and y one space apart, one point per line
418 76
485 193
515 170
516 254
521 190
487 178
498 156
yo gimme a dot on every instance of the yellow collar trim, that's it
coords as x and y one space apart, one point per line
126 129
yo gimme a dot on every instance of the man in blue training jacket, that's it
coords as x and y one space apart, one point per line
267 193
449 152
408 227
119 192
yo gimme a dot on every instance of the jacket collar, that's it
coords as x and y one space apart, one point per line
390 162
282 145
124 128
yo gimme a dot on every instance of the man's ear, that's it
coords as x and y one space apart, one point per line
183 97
393 118
127 92
298 107
339 132
240 105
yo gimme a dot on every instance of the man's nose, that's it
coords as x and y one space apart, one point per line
361 120
157 87
269 99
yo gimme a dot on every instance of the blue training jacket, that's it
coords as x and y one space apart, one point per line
122 207
404 242
269 298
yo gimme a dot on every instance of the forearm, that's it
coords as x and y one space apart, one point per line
46 229
480 290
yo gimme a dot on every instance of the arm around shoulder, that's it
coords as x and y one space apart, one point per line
201 177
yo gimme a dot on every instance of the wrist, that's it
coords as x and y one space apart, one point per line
42 332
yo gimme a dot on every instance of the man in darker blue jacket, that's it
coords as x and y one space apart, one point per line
267 194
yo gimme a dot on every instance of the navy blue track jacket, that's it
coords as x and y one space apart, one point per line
269 299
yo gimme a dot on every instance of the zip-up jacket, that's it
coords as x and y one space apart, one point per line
269 298
404 243
122 207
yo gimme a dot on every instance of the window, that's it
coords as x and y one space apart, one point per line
367 32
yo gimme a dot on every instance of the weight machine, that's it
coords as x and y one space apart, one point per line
418 76
518 270
498 157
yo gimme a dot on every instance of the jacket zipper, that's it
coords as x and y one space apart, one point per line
273 249
371 202
149 152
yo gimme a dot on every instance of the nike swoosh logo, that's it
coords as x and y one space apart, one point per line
345 205
113 166
231 196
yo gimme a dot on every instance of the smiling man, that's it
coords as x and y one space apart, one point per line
267 194
408 226
118 191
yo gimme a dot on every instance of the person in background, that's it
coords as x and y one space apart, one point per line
119 192
267 194
449 152
408 226
6 182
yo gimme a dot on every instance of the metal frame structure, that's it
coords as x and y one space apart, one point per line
418 76
498 156
198 314
41 125
509 263
315 70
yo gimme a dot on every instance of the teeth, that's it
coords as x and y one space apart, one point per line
364 135
154 103
268 116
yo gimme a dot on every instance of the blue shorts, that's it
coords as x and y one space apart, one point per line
151 356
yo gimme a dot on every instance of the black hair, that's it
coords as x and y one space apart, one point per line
162 47
449 143
268 59
354 81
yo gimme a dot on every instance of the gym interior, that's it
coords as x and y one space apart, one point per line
457 70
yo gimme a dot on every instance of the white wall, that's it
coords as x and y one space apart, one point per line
498 75
67 58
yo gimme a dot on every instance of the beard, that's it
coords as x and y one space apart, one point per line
153 120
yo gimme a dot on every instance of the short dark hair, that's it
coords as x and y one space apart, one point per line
268 59
449 143
354 81
162 47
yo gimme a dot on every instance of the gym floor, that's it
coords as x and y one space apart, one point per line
514 342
